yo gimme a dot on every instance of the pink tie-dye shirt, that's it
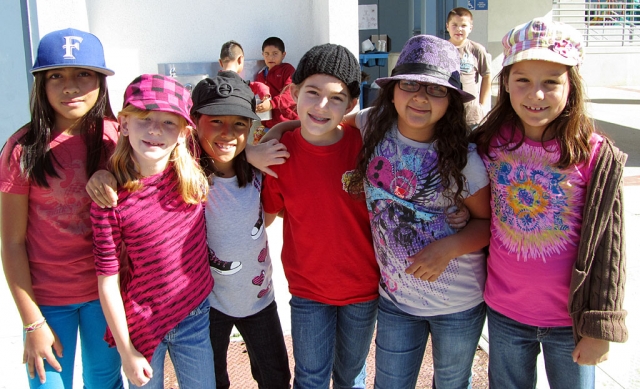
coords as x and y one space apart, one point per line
535 229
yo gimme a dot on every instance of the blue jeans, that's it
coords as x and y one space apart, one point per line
262 334
330 338
401 340
190 351
100 363
514 349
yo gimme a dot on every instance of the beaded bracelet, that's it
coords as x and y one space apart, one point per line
35 325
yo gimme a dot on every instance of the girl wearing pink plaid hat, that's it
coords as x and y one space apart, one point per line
556 259
46 231
150 250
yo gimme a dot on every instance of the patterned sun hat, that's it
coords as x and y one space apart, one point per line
543 40
155 92
429 59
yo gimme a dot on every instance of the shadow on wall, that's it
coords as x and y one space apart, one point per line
625 138
615 101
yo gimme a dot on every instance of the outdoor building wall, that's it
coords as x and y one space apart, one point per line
14 93
138 35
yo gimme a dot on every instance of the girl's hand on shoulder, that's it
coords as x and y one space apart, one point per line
136 367
38 346
591 351
459 218
101 187
263 155
430 262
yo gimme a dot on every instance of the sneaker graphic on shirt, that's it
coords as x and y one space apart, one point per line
223 267
257 229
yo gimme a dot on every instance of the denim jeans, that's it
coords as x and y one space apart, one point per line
100 363
190 352
262 334
401 340
330 338
514 349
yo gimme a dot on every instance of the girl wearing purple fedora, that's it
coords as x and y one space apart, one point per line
417 166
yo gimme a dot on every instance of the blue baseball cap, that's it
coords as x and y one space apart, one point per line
71 48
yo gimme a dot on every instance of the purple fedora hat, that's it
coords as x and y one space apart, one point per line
429 59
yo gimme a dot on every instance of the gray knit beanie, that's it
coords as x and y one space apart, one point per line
334 60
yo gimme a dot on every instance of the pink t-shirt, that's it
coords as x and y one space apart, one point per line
168 270
535 230
59 236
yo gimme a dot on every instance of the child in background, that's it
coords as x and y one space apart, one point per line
474 65
277 76
46 230
239 257
417 164
157 301
556 264
232 58
327 251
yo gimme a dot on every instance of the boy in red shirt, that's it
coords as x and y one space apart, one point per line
277 76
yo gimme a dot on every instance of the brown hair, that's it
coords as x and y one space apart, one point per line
572 128
450 140
461 12
37 161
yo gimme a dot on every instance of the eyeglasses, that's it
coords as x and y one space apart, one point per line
432 89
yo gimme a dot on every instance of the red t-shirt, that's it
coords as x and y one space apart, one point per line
59 240
327 251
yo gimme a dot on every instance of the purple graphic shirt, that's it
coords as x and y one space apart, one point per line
407 209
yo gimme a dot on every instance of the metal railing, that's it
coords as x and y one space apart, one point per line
603 23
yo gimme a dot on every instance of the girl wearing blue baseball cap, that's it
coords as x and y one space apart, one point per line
46 231
556 264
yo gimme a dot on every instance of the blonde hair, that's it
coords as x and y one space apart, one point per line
192 184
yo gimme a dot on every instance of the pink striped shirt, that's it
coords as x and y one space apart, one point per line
167 274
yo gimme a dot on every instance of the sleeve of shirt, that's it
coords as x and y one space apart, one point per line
272 200
260 89
106 240
484 67
11 178
283 100
361 119
475 173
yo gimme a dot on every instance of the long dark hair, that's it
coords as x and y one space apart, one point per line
242 167
37 161
572 128
450 137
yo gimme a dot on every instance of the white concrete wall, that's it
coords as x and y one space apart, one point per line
503 15
138 35
14 94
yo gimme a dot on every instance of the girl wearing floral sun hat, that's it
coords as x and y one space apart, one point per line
556 259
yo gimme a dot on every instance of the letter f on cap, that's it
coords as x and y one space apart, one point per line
69 46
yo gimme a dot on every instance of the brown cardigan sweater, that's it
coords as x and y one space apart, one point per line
597 282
